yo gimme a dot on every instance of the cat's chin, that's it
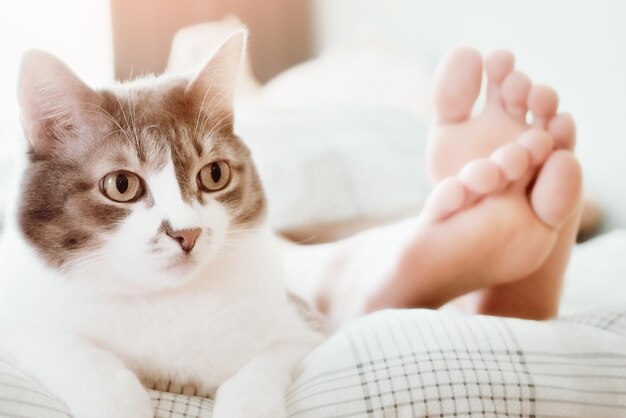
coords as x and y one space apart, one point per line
182 267
175 274
161 282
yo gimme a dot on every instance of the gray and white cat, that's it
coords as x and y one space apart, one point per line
138 249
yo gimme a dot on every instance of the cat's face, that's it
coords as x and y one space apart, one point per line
147 182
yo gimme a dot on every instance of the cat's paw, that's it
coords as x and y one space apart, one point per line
122 396
237 399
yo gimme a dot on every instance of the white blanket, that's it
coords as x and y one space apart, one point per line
418 363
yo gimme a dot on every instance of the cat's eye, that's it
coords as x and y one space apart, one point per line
121 186
214 176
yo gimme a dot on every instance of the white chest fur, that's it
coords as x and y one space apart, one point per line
199 333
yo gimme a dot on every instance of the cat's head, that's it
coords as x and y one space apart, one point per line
146 182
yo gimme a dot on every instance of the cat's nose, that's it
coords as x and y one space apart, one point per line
186 238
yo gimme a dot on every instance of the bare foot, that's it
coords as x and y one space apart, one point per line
503 218
457 138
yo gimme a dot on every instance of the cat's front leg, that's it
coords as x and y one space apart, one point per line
258 389
92 382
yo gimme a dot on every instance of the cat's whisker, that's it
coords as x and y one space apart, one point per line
212 106
231 244
92 255
203 116
242 231
87 261
126 120
113 133
219 125
206 111
101 111
233 256
200 111
131 111
69 264
233 240
57 130
207 115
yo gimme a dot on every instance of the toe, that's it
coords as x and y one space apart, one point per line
557 192
542 102
563 130
515 89
513 160
446 198
456 85
498 65
480 176
538 143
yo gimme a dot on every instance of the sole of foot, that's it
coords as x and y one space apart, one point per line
503 215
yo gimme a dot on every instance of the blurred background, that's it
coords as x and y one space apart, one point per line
577 46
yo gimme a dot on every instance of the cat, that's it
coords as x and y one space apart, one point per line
138 249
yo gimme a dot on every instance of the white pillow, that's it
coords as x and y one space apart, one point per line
328 165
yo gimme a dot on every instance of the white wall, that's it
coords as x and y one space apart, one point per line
78 31
577 46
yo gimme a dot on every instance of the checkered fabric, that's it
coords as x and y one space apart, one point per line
420 363
432 364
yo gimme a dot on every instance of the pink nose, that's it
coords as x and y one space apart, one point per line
186 238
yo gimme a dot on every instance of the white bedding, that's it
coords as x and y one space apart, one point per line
419 363
596 276
326 165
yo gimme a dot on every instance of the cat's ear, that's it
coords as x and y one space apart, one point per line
54 102
213 89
